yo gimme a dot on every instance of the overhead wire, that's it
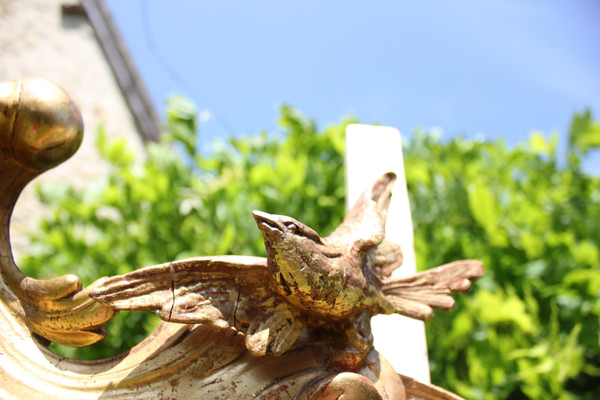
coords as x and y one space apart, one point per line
177 77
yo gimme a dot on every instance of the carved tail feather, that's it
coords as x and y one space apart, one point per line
416 296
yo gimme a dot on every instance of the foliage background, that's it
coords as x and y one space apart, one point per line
529 328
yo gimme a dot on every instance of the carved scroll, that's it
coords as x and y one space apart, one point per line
292 326
41 127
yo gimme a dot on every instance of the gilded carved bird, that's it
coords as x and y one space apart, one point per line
305 283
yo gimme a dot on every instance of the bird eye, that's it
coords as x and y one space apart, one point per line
292 227
298 228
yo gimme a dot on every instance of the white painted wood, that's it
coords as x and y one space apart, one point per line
372 151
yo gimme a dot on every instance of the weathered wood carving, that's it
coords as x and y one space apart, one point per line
294 325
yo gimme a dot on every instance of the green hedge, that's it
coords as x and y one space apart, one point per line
528 329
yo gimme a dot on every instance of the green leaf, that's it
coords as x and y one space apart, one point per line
486 211
540 145
584 133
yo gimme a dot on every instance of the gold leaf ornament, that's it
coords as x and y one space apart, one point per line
40 127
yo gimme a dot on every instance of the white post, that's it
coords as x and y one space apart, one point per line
372 151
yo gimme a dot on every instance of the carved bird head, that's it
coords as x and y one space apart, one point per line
314 274
298 258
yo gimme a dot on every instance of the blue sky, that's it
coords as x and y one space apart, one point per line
480 68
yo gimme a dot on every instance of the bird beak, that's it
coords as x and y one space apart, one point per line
267 222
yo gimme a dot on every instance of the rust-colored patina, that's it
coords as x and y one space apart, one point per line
293 325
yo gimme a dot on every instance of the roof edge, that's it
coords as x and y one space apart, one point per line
124 70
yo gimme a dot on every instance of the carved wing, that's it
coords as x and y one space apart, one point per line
364 225
385 258
225 292
416 296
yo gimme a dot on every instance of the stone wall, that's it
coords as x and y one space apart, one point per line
38 40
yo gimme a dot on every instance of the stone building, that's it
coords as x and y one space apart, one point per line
76 46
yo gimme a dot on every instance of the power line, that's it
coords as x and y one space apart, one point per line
172 72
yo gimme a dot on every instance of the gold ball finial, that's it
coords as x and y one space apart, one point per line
40 126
